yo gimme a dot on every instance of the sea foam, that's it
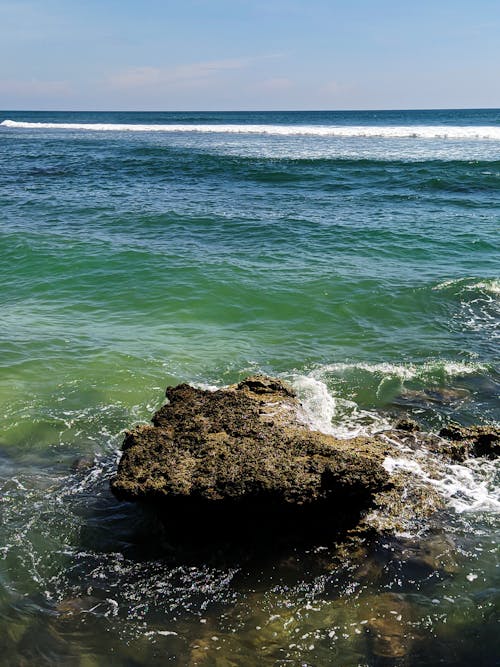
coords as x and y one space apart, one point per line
489 285
405 371
324 411
473 132
468 487
471 486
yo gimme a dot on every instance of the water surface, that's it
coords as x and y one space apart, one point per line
354 254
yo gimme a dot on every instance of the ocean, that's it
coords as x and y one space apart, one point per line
353 254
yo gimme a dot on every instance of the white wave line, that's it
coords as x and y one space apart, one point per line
390 132
404 371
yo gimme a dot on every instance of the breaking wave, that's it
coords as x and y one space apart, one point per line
329 409
486 285
471 486
474 132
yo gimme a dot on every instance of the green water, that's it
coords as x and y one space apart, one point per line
364 269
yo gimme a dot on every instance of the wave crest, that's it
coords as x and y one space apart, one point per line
488 285
473 132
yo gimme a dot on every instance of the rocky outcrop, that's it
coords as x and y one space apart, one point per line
474 440
453 442
241 458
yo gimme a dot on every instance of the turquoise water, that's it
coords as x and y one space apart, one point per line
354 254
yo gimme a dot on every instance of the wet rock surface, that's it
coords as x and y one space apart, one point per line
453 442
405 424
474 440
388 627
241 462
240 459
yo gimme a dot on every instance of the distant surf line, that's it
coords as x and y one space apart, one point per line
473 132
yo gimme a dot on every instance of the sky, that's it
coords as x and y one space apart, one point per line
249 54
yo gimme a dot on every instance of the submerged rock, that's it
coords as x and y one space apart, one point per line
388 626
433 395
82 464
76 606
240 459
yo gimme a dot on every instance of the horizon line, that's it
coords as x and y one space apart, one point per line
353 110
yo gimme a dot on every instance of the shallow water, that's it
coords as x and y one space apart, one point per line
362 266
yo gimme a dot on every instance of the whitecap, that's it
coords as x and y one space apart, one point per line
322 411
405 371
473 132
471 486
487 285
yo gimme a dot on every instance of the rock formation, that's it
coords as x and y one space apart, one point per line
242 455
474 440
241 461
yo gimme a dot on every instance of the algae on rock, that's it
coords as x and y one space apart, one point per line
243 453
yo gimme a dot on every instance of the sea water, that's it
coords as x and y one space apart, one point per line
354 254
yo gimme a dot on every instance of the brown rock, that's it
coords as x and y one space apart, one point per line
474 440
388 627
240 458
408 425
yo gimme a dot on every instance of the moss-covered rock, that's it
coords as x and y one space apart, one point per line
241 457
474 440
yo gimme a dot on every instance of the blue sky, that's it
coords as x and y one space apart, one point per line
243 54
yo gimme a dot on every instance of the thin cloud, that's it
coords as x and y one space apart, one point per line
34 87
192 74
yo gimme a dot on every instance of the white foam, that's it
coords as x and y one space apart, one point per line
205 386
447 283
467 487
327 412
488 285
473 132
407 371
331 414
318 404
